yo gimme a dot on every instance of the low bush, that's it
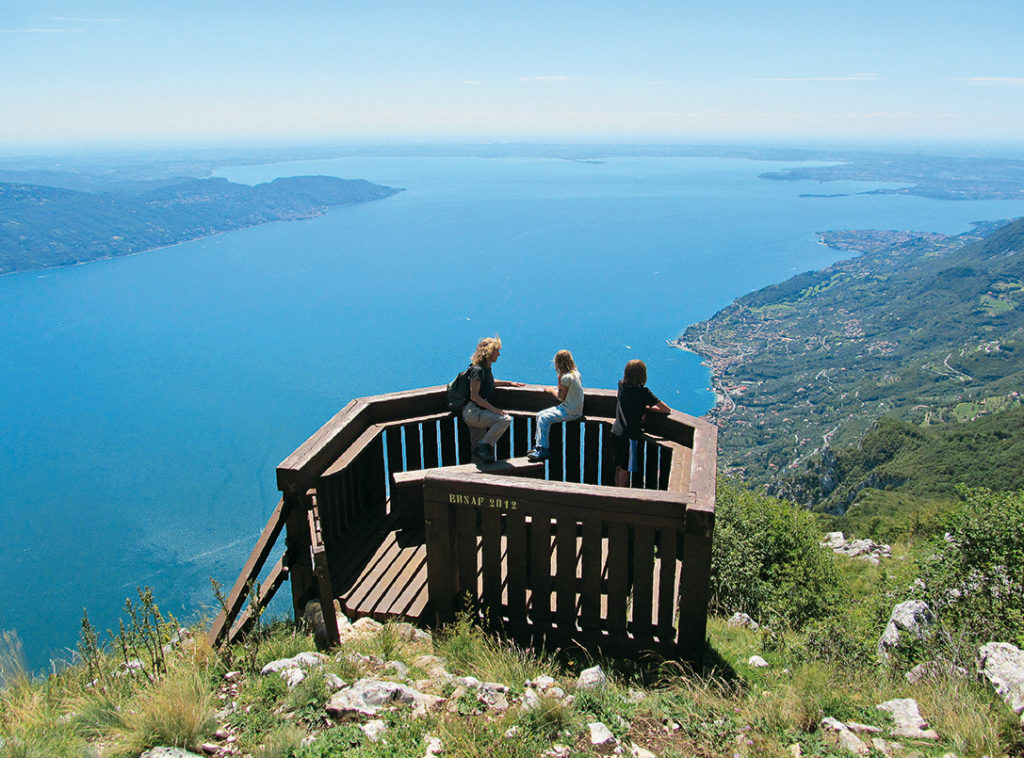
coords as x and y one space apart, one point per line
767 560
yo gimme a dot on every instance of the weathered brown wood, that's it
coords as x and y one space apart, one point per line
516 557
264 593
466 548
429 432
643 580
591 452
666 579
618 577
440 558
250 571
322 571
556 463
540 571
651 465
393 446
449 454
571 432
565 576
636 478
345 461
490 556
521 435
590 572
607 458
297 555
413 460
694 584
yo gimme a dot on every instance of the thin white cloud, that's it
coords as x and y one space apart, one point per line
76 20
38 31
850 78
1007 81
471 82
549 78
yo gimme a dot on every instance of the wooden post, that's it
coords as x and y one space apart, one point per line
695 585
322 571
297 552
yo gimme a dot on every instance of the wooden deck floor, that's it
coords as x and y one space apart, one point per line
381 572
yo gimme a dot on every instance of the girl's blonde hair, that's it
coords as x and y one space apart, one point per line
485 349
564 362
635 374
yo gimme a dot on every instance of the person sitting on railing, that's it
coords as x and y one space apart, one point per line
570 395
486 422
633 400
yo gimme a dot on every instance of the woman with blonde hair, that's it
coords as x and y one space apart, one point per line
485 421
569 392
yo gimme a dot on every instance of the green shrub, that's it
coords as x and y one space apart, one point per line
767 560
975 579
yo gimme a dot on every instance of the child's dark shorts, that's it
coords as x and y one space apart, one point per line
624 452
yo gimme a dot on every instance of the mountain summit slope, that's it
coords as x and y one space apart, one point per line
929 329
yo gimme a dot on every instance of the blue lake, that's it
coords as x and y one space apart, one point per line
145 401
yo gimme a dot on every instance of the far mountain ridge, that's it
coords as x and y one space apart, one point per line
46 226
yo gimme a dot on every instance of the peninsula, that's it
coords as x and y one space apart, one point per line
47 225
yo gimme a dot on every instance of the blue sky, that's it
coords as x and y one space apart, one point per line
211 71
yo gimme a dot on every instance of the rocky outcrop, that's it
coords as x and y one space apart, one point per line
865 550
908 620
1002 665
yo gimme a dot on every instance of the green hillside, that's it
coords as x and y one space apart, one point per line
41 227
927 330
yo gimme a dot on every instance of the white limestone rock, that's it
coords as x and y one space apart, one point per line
434 746
742 620
599 733
845 737
293 677
907 717
757 662
911 617
374 729
592 678
368 696
1002 664
636 751
169 752
300 661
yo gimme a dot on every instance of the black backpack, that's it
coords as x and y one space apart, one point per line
458 391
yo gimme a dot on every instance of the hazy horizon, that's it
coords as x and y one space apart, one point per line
198 73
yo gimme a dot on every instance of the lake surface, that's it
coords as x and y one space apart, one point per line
145 401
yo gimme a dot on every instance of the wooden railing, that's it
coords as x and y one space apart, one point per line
338 480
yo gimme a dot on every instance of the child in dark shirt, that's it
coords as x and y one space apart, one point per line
633 400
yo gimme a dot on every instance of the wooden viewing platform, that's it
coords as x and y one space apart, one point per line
385 515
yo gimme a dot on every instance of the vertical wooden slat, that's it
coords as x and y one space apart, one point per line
521 442
666 580
413 462
490 558
440 559
300 568
651 469
430 457
503 447
449 455
572 451
322 570
516 560
618 576
540 571
664 466
592 452
643 580
375 473
565 577
393 439
466 550
636 478
607 458
590 570
695 585
556 471
465 453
